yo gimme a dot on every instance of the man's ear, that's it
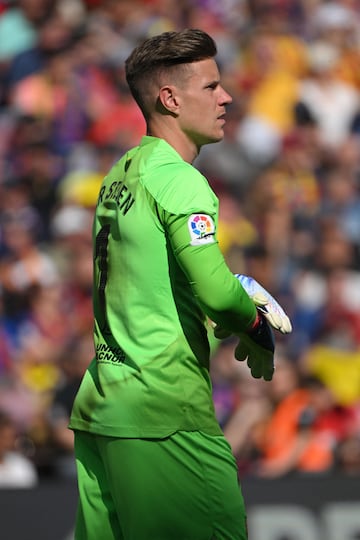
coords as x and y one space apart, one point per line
168 98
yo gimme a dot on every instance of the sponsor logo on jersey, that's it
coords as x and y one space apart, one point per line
106 354
202 229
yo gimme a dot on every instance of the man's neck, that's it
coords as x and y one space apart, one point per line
170 133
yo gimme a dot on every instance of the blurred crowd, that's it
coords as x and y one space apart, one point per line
287 175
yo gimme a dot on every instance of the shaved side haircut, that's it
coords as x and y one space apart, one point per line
169 53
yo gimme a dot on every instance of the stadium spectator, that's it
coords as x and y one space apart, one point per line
74 361
332 102
16 470
290 213
303 430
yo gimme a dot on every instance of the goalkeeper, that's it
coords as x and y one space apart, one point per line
152 461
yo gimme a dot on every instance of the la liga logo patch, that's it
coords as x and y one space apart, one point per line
202 229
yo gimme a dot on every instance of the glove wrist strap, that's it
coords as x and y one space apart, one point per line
256 322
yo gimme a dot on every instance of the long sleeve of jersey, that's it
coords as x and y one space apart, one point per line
219 293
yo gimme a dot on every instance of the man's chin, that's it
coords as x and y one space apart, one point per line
211 139
216 138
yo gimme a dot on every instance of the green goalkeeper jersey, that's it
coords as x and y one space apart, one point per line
158 272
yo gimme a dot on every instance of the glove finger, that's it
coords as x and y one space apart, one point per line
286 327
268 370
255 367
261 368
260 299
277 321
241 351
221 333
274 319
283 322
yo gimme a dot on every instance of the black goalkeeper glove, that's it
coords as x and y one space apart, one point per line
257 346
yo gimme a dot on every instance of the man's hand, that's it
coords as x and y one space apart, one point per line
266 304
256 346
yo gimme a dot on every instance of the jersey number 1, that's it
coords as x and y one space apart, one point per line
101 252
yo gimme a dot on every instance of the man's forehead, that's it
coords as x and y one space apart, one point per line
207 68
201 70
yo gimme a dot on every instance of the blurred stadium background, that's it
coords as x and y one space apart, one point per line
287 175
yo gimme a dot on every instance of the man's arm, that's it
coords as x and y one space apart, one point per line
221 295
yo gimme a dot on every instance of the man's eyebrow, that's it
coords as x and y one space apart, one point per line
213 84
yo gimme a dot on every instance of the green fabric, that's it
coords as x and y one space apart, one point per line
184 487
150 376
217 290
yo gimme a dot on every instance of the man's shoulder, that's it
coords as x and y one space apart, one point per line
176 185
